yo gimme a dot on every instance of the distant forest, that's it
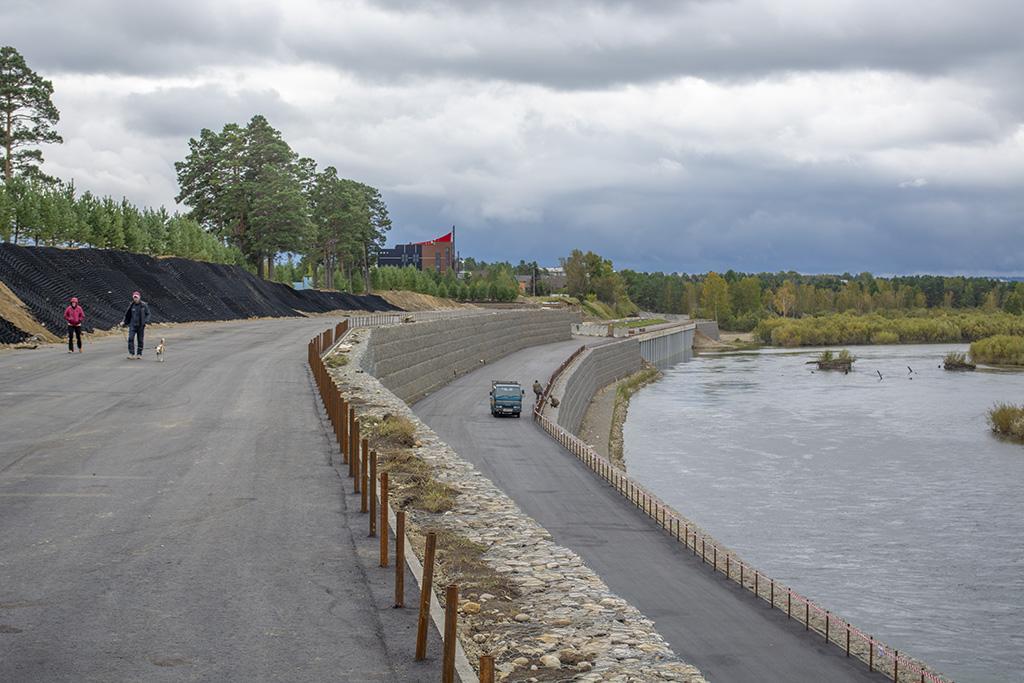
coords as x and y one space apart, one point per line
740 300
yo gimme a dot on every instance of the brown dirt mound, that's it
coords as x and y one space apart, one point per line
414 301
15 312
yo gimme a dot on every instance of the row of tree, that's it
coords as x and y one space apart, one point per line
52 213
493 282
740 300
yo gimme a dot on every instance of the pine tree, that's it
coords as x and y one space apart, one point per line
27 116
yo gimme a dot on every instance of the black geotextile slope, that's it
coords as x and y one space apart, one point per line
9 334
176 289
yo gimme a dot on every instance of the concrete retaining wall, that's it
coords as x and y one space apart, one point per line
709 328
415 359
667 348
595 369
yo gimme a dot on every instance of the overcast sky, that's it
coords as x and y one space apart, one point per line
675 135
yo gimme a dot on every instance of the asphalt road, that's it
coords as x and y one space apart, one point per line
181 520
708 620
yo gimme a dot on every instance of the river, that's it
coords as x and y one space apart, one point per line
886 500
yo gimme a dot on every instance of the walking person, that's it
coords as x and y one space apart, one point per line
74 316
136 318
538 390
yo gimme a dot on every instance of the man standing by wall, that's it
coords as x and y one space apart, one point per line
136 318
74 316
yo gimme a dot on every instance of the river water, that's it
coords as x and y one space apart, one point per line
886 500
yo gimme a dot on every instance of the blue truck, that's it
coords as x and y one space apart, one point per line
506 398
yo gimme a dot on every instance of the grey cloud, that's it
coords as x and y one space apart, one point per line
566 45
145 38
183 112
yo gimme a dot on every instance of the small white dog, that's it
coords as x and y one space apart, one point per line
160 350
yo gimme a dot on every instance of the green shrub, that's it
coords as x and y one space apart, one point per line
1007 420
1001 349
885 337
909 327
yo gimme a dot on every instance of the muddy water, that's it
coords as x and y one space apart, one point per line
886 500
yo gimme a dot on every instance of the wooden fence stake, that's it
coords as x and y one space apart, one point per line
364 473
451 611
425 593
373 492
400 558
383 519
486 669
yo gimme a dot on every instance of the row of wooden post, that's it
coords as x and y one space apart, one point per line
362 468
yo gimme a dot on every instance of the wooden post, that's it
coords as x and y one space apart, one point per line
895 666
344 435
807 615
486 669
828 619
425 592
400 558
364 473
871 653
451 615
355 473
373 492
353 443
383 519
773 592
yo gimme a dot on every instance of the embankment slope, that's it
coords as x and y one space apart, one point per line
43 279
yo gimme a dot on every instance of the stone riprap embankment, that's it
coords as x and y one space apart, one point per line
414 360
559 621
596 368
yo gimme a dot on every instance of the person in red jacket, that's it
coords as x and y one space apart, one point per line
75 316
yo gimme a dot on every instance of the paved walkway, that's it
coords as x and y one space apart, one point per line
709 621
181 521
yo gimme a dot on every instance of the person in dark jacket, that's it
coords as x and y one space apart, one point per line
136 318
74 316
538 390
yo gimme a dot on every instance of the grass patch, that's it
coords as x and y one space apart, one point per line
597 309
1001 349
957 361
412 483
390 431
461 561
643 322
1007 420
337 360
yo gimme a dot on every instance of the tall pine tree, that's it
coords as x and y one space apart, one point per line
27 116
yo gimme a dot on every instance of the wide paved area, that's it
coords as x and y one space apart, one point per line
708 620
181 520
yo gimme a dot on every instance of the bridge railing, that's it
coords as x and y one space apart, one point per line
834 629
